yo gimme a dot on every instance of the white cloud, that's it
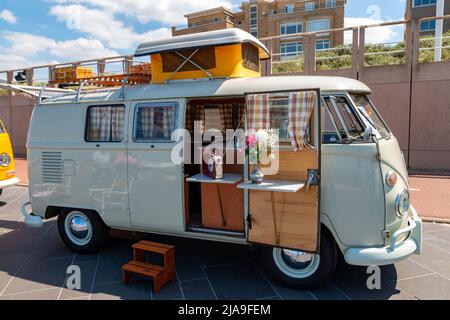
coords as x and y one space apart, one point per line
27 50
8 16
167 12
385 34
103 26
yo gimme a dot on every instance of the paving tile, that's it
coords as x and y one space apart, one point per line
48 294
352 281
39 275
197 290
87 270
433 287
432 227
50 247
188 265
110 264
435 259
215 254
118 291
328 292
170 291
238 281
404 270
9 265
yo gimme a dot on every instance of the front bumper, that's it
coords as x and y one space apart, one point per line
9 182
393 253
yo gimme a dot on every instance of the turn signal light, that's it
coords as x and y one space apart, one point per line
391 178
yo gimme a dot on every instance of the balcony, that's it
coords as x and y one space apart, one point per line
301 9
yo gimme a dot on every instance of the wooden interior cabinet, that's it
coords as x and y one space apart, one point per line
232 204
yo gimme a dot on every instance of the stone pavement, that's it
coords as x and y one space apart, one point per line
33 264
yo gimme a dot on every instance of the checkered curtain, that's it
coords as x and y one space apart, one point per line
258 111
301 106
226 116
240 116
188 119
199 118
99 124
147 122
117 117
168 121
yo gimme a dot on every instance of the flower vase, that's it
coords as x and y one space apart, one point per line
256 175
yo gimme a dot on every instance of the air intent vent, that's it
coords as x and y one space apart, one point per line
52 167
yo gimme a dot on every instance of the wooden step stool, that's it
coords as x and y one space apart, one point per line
160 274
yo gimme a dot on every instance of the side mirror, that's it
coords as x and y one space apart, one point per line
368 134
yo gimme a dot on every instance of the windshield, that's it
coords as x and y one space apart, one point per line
370 115
2 127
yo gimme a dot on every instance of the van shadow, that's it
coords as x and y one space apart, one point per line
38 260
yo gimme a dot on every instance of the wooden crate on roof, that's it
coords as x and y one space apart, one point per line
70 74
144 69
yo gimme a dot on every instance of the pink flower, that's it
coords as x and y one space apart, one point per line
251 141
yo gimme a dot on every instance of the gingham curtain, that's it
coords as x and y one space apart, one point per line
240 116
226 116
99 124
258 111
301 106
199 118
117 116
147 122
168 121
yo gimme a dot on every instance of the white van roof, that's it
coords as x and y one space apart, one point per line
203 39
218 88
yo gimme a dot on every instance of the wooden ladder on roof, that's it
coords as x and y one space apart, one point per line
159 274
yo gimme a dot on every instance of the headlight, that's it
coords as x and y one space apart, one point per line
391 178
402 203
5 160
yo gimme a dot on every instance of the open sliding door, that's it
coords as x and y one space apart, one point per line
284 211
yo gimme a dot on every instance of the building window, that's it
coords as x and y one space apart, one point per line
310 6
289 8
421 3
330 4
155 122
322 44
254 20
429 25
105 123
291 28
318 25
291 49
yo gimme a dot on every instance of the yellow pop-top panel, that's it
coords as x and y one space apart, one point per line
229 62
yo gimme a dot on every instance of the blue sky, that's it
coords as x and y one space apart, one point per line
52 31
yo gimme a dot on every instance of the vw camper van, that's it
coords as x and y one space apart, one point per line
336 182
7 171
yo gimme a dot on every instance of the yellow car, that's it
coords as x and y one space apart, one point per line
7 171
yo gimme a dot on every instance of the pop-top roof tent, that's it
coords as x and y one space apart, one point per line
228 53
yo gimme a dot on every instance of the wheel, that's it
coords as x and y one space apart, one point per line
302 270
82 231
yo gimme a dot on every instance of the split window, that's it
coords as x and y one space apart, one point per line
105 123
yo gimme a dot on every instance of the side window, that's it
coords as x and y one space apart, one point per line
155 122
105 123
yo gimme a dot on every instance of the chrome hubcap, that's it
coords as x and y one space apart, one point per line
78 228
296 264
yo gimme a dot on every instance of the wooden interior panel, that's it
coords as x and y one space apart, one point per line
232 203
297 213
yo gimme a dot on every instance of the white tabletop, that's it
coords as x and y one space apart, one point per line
228 178
274 186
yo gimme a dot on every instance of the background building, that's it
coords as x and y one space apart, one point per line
417 9
271 18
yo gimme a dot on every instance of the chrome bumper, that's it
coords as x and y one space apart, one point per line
30 219
393 253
